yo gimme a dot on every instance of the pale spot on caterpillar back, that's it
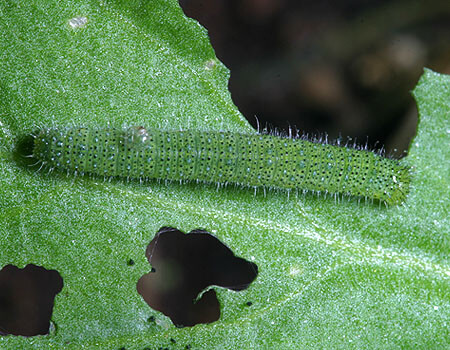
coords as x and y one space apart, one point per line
253 160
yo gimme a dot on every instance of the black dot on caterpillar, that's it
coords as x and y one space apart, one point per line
253 160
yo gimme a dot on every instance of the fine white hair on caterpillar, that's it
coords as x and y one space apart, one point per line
223 157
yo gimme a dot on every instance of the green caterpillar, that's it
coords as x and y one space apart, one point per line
254 160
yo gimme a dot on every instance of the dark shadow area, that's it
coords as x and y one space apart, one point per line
340 67
26 299
183 266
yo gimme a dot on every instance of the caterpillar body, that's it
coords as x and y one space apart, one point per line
252 160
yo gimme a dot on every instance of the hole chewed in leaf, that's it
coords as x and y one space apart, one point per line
26 299
183 266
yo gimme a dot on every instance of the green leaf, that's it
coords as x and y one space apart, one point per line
331 274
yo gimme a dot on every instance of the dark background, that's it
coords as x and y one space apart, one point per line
342 68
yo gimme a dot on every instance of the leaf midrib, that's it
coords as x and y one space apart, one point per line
354 248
